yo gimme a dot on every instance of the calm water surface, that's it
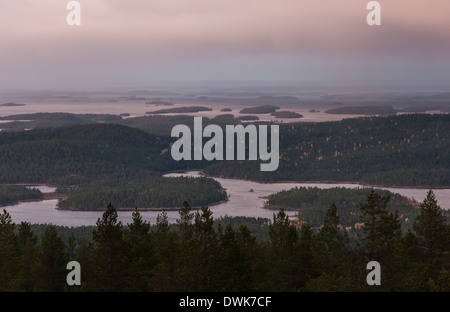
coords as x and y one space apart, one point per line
242 202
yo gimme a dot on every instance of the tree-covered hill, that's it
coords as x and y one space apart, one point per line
53 120
407 150
102 162
70 155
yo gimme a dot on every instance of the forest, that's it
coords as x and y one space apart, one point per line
12 194
94 163
405 151
154 192
98 158
310 205
202 254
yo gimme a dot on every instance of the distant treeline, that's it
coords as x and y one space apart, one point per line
202 254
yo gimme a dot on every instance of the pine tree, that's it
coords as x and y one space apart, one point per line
185 223
166 251
334 239
431 230
307 265
8 251
85 256
381 227
53 261
27 244
140 253
109 258
282 266
234 266
185 264
282 234
333 246
430 227
204 251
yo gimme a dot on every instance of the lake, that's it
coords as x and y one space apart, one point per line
242 202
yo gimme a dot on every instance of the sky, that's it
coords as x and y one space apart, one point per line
138 43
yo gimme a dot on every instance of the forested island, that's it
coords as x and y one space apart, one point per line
12 104
310 204
364 110
247 118
184 109
261 109
203 254
286 114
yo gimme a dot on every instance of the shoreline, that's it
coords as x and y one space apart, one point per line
146 209
422 187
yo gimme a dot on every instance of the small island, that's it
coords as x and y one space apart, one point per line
277 98
12 104
262 109
363 110
286 114
184 109
159 103
247 118
311 203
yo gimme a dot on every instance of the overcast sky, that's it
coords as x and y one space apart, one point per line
140 42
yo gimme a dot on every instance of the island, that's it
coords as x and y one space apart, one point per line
12 104
262 109
286 114
363 110
184 109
